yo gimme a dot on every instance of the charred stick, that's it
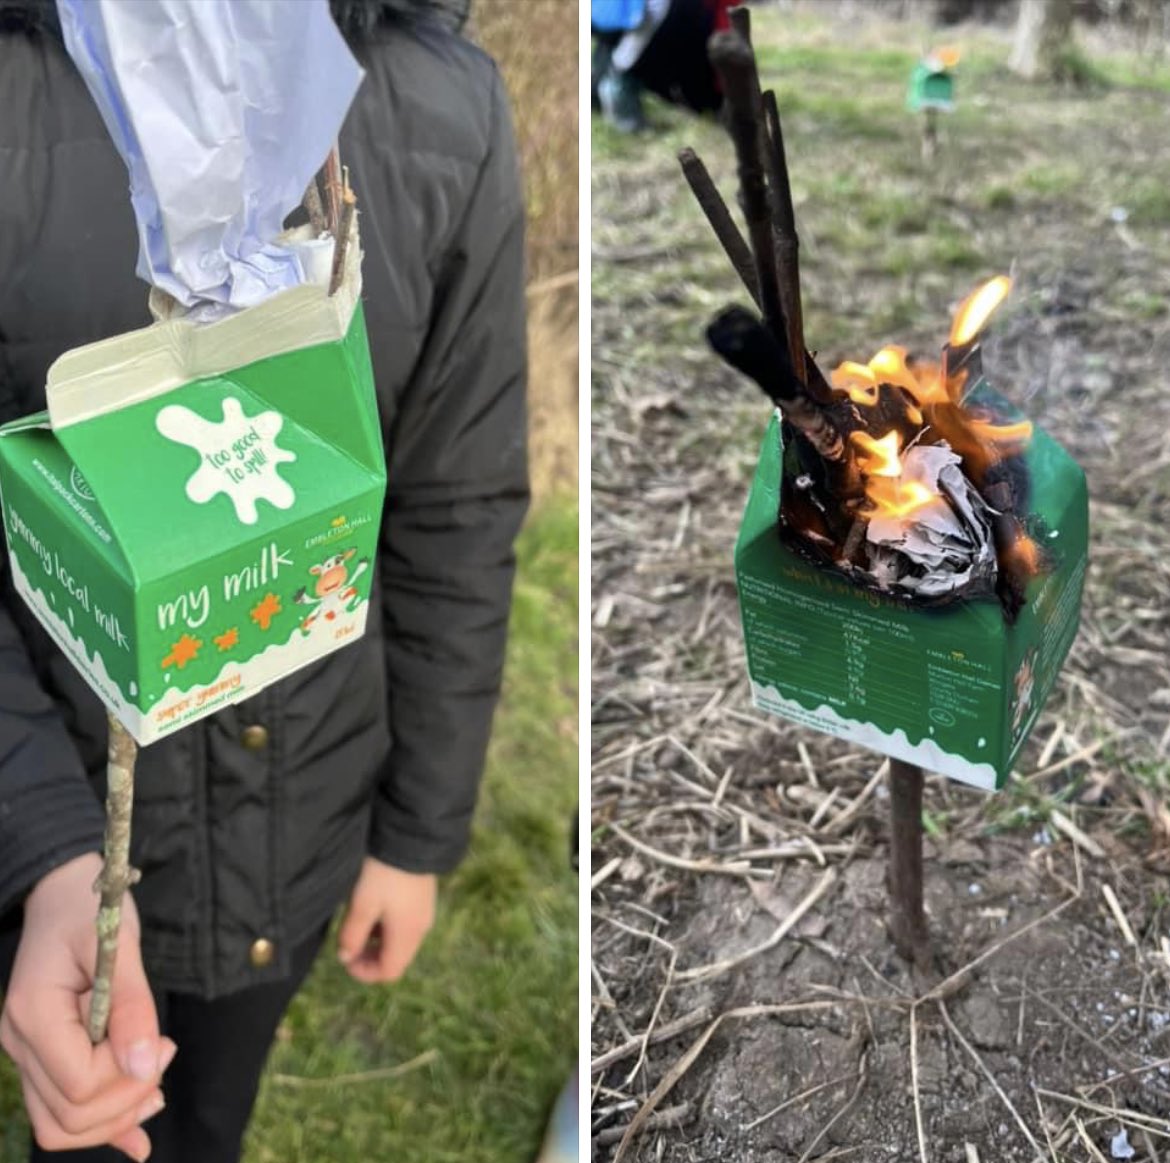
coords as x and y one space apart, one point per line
741 22
891 409
787 241
853 542
1010 551
749 347
719 217
738 252
965 361
732 59
907 914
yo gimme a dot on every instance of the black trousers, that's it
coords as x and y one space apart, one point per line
211 1086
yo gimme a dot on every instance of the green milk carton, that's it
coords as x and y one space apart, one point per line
955 689
932 83
196 514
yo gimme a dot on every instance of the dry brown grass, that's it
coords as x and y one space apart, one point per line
535 44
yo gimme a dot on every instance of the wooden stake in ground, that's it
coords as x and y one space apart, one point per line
117 875
907 915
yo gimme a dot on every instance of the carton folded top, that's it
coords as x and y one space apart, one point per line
189 436
113 373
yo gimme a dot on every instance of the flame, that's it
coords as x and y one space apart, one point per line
1019 433
887 492
898 498
857 380
1026 552
883 460
890 367
976 309
948 56
923 381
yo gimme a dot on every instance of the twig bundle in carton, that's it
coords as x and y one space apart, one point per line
905 477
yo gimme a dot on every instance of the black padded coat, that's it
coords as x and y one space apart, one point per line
251 825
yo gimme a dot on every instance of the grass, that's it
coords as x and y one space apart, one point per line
492 997
494 990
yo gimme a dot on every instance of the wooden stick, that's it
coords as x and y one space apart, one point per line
344 230
738 252
312 203
710 201
741 22
116 875
787 241
732 59
334 187
752 349
907 915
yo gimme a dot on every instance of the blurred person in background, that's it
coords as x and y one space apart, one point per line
659 46
350 783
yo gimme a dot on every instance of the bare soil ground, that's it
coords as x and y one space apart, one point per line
723 1029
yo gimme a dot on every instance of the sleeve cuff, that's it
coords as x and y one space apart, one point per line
396 843
46 826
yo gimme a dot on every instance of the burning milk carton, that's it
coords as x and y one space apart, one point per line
915 589
197 512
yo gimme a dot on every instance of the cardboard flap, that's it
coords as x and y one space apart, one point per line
25 423
114 373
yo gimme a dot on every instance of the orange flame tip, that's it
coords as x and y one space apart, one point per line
1019 433
1027 554
857 380
976 309
890 367
883 454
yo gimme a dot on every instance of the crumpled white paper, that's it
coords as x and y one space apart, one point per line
223 110
950 538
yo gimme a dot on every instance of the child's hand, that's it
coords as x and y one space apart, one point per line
389 914
77 1094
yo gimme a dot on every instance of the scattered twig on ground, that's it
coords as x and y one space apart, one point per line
918 1127
733 868
803 1096
663 1033
673 1116
379 1075
848 1105
1119 915
706 972
1081 839
1136 1119
983 1069
688 1059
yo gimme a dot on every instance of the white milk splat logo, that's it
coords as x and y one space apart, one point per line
238 456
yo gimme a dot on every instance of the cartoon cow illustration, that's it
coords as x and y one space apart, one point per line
1024 683
333 589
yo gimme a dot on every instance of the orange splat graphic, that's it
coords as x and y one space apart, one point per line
227 639
265 610
182 652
